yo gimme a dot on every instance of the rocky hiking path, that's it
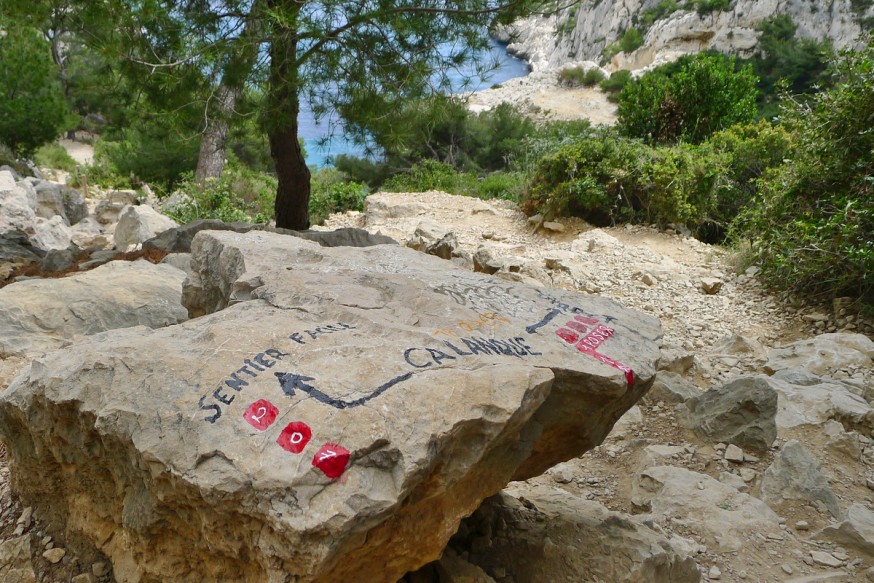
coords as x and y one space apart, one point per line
718 326
749 459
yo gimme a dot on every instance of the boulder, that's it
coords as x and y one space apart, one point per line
345 237
823 354
137 224
16 208
434 239
536 532
15 247
856 531
178 239
484 261
676 361
805 399
75 205
671 387
60 259
795 475
49 202
89 233
737 345
333 417
726 518
53 233
39 315
381 206
8 179
741 412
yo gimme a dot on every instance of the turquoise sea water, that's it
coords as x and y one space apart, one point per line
313 133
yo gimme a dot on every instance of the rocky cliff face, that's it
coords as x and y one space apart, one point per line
582 32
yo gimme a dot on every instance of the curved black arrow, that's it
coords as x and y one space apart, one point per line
291 382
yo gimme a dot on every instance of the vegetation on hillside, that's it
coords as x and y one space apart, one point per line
33 110
812 224
773 153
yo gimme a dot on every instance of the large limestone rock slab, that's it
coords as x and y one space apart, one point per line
805 399
332 418
856 531
823 354
179 239
541 533
727 518
40 315
795 475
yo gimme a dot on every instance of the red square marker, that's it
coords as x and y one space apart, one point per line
332 460
568 336
295 437
261 414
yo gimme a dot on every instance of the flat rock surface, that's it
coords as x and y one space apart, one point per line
335 422
40 315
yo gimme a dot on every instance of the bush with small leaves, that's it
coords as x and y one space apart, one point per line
688 100
813 227
33 110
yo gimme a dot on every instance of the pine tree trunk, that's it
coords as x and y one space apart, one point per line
293 193
213 141
280 121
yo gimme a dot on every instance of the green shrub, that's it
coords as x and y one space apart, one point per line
615 84
431 175
661 10
631 40
443 129
577 76
7 158
749 152
605 178
708 6
332 193
505 185
33 110
813 228
54 156
362 170
688 100
800 64
238 195
149 152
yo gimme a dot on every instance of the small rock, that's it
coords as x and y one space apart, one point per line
802 525
748 474
734 454
84 578
648 279
25 518
714 573
786 568
825 559
55 555
554 226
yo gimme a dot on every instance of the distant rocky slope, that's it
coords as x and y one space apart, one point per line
582 32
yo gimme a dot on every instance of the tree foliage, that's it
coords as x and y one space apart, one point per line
33 110
813 226
688 100
361 58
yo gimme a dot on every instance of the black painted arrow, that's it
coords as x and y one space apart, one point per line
291 382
